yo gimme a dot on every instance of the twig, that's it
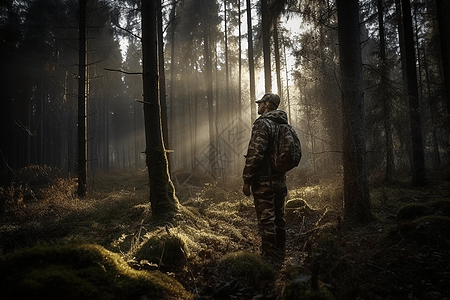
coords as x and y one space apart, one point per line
122 71
320 219
128 31
380 268
6 164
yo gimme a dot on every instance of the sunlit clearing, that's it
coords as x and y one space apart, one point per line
324 195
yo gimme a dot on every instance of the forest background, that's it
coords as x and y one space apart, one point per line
40 84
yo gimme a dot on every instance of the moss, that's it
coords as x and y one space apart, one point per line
302 288
167 250
411 211
304 291
162 191
80 271
248 268
297 203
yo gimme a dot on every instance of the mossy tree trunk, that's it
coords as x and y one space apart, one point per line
162 192
356 191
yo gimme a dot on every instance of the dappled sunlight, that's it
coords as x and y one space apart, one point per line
319 196
217 222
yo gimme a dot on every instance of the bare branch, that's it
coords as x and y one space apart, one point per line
122 71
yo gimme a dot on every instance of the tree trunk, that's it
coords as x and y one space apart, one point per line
162 192
239 107
385 98
162 78
172 70
82 165
288 100
266 46
228 107
443 14
418 160
209 86
356 192
276 48
251 64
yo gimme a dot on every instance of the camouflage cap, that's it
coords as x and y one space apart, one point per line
270 97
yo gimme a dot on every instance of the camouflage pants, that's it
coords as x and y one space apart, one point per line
269 204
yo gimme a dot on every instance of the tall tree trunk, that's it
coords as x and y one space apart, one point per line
433 113
385 98
443 14
209 86
266 46
228 108
162 192
239 107
162 78
276 48
82 163
172 69
356 192
418 159
401 38
288 100
251 64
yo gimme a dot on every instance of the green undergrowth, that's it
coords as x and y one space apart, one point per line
210 241
248 268
81 271
409 222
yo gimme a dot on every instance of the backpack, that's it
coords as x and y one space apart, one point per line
285 151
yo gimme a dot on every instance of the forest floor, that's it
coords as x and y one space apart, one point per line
404 253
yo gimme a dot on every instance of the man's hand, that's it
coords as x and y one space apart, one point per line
246 189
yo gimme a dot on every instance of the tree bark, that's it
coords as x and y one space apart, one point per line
82 164
172 71
209 86
418 159
266 46
162 192
276 48
388 144
227 72
357 205
162 78
443 14
251 64
239 106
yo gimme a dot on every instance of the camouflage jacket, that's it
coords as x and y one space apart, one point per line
256 166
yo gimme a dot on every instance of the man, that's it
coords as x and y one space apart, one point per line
268 187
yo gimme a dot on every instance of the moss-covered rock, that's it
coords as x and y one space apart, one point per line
411 211
432 229
169 251
80 271
297 203
248 268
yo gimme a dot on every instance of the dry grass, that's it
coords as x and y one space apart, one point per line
216 220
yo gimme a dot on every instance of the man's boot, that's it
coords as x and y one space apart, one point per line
268 246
